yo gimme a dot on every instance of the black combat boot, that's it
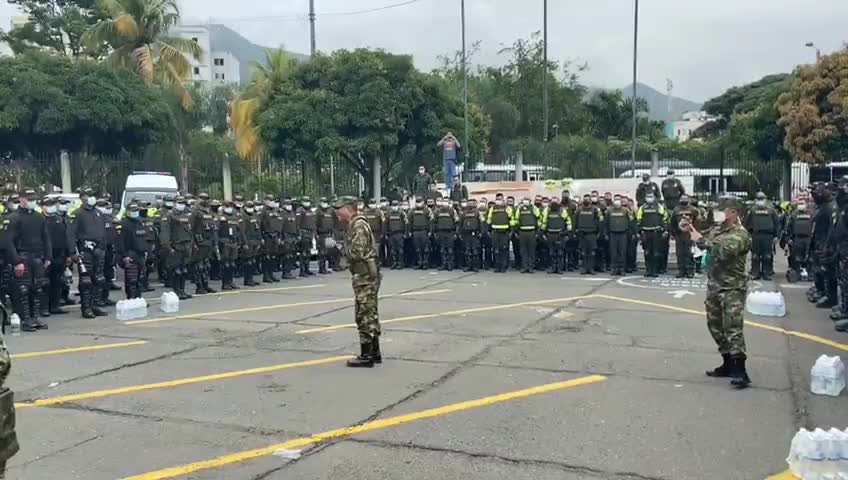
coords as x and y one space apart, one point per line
376 355
179 287
205 277
723 370
738 373
825 302
364 360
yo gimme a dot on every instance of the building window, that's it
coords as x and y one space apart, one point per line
222 76
217 76
197 70
194 39
219 62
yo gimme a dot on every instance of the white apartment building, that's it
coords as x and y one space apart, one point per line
681 130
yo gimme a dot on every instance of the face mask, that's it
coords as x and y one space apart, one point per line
169 204
395 208
384 204
14 206
306 204
324 205
526 203
228 210
288 208
463 204
719 216
419 205
670 177
594 199
51 210
248 210
801 208
372 206
133 214
761 203
646 181
649 199
92 201
180 207
63 207
259 208
499 203
616 203
102 209
108 211
420 172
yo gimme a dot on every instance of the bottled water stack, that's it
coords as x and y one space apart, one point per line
827 377
169 302
131 309
767 304
15 324
819 455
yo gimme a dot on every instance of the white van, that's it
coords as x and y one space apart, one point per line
149 187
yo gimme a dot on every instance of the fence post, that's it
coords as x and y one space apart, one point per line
655 162
519 168
227 178
377 190
65 167
332 178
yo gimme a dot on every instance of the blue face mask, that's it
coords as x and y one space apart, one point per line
92 201
133 214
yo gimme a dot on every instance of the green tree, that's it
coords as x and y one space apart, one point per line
212 105
814 112
136 31
54 25
49 103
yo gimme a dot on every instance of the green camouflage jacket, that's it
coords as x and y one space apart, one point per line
729 246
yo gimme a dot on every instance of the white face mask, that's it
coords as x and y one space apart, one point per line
499 203
395 208
718 216
306 204
169 204
372 206
802 207
761 203
92 201
248 210
133 214
594 199
419 205
384 204
670 177
52 210
180 207
228 210
103 209
63 207
616 203
14 206
525 202
324 205
288 208
649 199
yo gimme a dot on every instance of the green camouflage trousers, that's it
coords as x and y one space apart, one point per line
365 291
725 319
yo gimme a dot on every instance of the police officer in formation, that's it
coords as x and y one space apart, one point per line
652 220
396 228
619 226
763 224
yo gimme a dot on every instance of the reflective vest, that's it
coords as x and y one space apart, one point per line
587 219
471 221
802 225
308 220
651 217
526 218
396 222
419 220
762 222
619 220
555 221
445 220
325 221
500 217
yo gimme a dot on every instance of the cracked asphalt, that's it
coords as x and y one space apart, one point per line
233 380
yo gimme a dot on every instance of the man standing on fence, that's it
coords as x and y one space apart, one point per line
450 150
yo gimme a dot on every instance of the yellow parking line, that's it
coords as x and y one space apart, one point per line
269 307
46 402
445 314
300 443
763 326
92 348
787 475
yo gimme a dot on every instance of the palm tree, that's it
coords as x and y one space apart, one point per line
137 33
276 68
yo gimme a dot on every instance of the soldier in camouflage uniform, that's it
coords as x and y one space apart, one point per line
728 246
8 438
365 274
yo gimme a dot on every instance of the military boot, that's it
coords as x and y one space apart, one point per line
738 372
825 302
364 360
376 355
841 325
723 370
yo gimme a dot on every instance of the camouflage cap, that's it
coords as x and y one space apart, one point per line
346 201
730 201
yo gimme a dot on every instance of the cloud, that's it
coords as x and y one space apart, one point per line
704 47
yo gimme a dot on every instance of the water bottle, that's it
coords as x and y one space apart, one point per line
169 302
804 275
122 310
15 324
827 377
68 276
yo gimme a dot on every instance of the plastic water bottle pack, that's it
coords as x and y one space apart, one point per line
819 455
827 377
767 304
131 309
169 302
15 324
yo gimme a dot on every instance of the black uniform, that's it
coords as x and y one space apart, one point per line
672 190
444 228
86 231
471 226
177 239
587 224
326 227
839 243
110 238
619 226
28 243
653 221
253 239
58 230
308 226
822 259
419 226
396 231
526 222
556 226
799 228
290 236
204 225
231 239
764 226
132 250
272 244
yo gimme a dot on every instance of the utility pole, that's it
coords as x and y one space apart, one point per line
633 99
464 86
545 69
312 28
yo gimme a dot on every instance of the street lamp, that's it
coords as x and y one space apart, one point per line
633 99
813 45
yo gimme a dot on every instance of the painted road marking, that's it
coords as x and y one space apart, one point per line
787 475
763 326
300 443
46 402
63 351
445 314
271 307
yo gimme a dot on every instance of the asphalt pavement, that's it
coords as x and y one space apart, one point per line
485 376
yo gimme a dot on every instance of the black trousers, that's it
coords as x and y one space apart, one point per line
28 288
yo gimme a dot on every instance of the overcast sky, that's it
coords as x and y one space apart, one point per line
703 46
